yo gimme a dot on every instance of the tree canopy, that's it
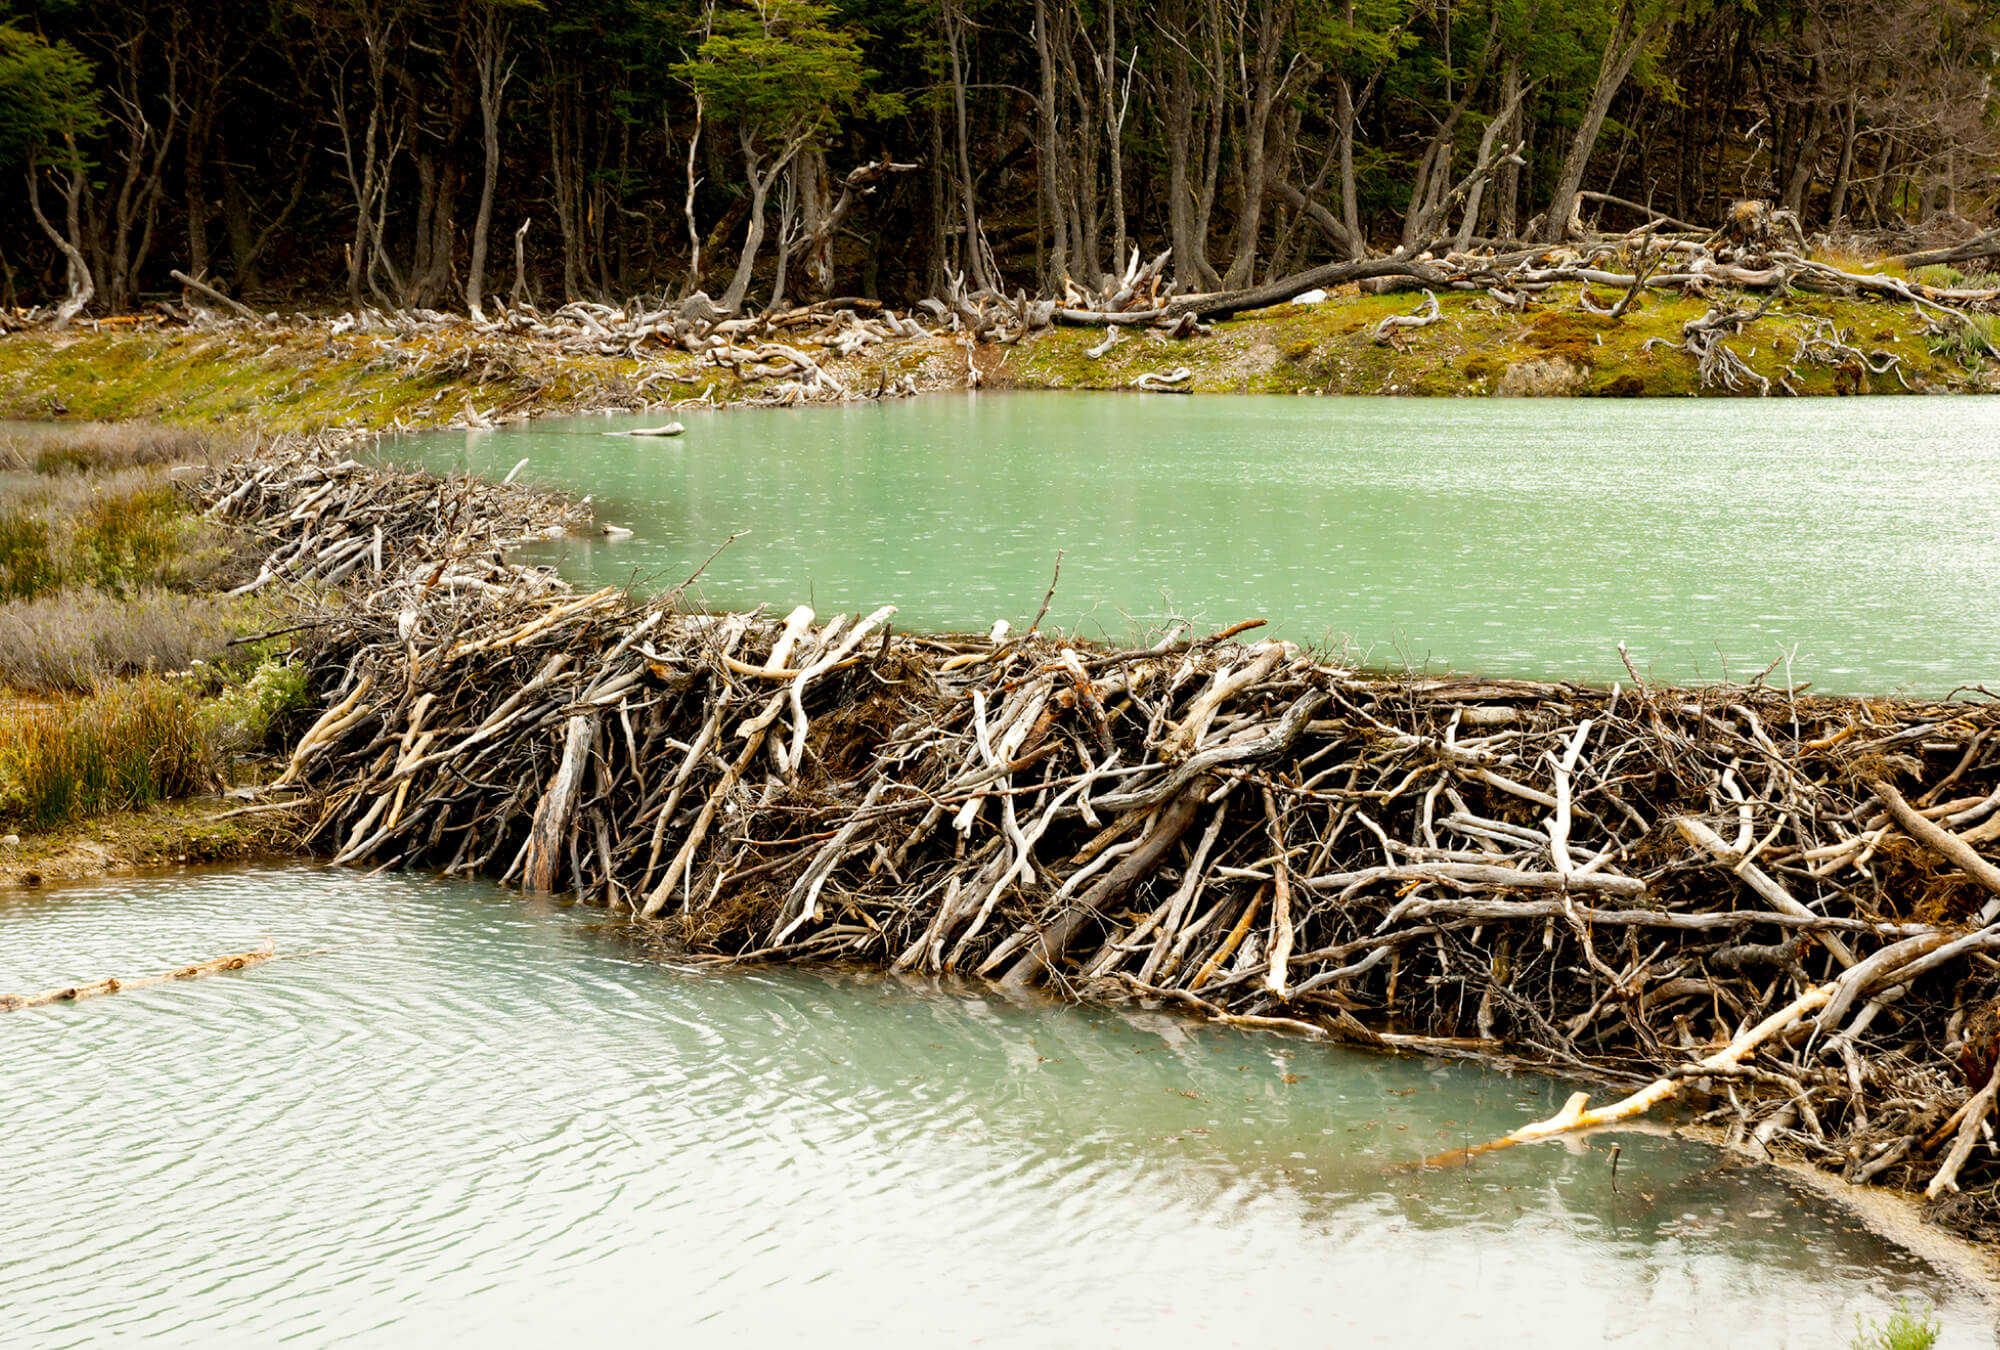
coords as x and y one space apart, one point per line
311 147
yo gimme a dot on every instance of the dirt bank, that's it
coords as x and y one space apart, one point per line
193 830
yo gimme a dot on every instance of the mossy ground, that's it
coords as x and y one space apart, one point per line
1330 348
303 379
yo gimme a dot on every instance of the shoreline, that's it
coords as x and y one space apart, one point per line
309 375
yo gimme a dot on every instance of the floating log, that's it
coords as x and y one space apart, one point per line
112 985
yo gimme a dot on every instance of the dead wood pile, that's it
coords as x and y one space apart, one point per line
1617 882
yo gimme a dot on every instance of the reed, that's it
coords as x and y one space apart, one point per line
130 745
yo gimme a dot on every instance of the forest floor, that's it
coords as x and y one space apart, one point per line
302 375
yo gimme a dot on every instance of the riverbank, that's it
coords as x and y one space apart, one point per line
300 374
183 832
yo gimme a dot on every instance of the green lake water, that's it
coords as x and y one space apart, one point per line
1505 537
473 1119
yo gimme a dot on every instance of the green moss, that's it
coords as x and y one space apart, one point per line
1627 385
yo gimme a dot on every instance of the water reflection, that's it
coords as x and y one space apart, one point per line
478 1117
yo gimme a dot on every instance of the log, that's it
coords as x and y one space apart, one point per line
235 307
549 834
70 993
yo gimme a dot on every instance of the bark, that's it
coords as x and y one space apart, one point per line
495 70
1628 40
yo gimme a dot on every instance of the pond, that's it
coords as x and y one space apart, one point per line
1859 537
460 1115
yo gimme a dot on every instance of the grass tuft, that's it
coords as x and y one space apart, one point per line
133 744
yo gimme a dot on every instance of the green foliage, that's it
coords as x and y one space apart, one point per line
47 101
243 715
1902 1330
783 71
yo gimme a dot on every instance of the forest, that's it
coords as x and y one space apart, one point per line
438 153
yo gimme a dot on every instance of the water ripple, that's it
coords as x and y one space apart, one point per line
484 1115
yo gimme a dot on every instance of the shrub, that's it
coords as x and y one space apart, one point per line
1903 1330
242 716
76 640
131 745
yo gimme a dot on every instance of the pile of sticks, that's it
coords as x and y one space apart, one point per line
318 518
1776 900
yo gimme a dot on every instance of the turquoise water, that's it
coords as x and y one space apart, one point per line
471 1118
1507 537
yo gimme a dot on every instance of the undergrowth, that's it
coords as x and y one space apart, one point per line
129 745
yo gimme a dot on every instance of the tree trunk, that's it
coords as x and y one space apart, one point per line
81 285
495 70
1621 52
1114 131
973 261
753 237
1273 19
1510 100
1048 158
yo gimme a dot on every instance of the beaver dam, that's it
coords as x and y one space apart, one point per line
1770 905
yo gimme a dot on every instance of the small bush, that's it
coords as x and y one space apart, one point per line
242 716
1904 1330
131 745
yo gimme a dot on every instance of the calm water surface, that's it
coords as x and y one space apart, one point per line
1517 537
482 1120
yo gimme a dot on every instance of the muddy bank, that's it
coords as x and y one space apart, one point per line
303 374
192 830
